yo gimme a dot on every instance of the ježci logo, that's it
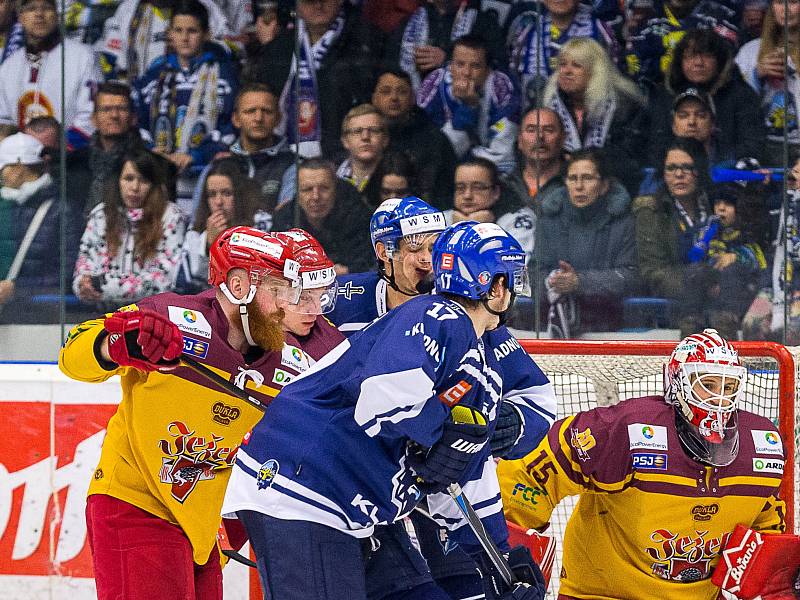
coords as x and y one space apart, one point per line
647 432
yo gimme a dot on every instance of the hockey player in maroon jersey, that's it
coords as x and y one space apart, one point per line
155 498
663 481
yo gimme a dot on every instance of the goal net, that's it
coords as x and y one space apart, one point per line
587 374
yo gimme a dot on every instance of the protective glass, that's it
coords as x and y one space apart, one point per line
282 290
316 301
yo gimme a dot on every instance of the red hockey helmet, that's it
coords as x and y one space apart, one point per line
260 254
705 381
317 273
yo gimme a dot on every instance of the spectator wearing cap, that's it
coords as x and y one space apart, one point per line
535 40
703 60
540 158
332 211
693 116
89 168
412 131
761 63
32 75
650 52
29 208
477 108
339 53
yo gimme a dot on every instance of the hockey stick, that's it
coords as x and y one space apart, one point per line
234 555
475 523
226 385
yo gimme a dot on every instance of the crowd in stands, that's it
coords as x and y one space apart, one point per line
594 132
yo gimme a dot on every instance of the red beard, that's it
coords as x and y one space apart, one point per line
265 329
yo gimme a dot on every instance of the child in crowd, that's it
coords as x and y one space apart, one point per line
727 260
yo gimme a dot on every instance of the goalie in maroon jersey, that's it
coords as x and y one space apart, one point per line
663 481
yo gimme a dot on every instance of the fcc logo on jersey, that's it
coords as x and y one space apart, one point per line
651 437
767 442
649 461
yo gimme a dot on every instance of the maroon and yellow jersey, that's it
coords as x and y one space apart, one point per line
170 445
651 521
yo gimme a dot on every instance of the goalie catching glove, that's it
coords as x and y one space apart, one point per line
464 434
143 339
528 584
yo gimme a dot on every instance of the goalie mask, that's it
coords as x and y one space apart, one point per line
705 381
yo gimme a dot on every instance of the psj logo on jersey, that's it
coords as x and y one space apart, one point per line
649 461
266 474
195 347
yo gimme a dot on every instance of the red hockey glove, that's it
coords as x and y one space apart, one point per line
758 564
143 339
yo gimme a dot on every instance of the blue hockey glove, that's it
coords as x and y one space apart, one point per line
506 431
529 581
464 434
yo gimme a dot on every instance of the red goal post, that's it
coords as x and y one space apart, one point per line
590 373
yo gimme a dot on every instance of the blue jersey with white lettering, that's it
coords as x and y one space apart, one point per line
362 299
332 447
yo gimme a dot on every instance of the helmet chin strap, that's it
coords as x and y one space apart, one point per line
502 314
423 287
242 304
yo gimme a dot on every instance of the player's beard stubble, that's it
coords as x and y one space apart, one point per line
266 328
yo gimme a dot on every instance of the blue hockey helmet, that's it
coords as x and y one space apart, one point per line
409 218
469 255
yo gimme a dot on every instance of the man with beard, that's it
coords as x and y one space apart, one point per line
167 456
403 234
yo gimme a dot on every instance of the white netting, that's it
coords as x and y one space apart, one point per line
583 382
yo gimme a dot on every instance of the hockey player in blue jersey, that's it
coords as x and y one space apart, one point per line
338 451
403 232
